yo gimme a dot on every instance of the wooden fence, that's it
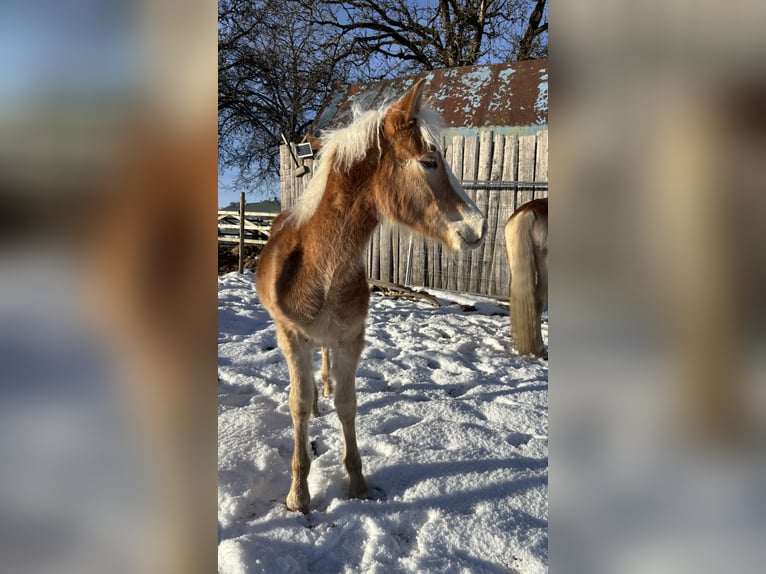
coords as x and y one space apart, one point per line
499 172
257 226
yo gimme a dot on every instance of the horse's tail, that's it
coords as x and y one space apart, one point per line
520 250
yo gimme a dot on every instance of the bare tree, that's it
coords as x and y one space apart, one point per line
273 75
409 36
530 45
280 59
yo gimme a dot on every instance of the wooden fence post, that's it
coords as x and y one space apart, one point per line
241 231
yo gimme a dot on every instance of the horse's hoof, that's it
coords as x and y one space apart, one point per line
358 489
294 504
298 508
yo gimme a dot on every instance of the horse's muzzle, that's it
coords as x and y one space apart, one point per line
471 230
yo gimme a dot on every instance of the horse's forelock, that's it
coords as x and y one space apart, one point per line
431 125
351 144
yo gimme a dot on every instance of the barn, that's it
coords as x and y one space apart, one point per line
496 142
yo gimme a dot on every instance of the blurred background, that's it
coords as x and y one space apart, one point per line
107 289
658 357
107 286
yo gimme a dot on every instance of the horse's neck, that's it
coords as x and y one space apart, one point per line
345 219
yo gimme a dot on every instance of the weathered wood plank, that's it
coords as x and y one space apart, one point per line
450 263
489 281
458 146
248 214
470 158
484 168
478 255
493 249
448 153
511 163
541 161
511 158
498 151
235 241
418 276
405 241
375 248
527 146
400 266
470 168
369 259
385 251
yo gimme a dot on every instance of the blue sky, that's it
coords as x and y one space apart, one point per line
226 196
228 193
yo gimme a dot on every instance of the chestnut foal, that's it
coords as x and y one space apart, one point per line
311 274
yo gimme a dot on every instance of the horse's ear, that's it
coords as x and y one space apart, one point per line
410 102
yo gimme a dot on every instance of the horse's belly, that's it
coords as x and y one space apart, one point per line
339 319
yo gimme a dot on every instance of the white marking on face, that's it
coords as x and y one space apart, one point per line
459 189
471 229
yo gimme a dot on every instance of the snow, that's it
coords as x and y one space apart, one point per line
452 426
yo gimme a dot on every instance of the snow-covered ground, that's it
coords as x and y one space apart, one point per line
453 430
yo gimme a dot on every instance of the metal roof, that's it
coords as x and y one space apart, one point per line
494 95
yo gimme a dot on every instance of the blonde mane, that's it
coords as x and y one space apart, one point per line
343 147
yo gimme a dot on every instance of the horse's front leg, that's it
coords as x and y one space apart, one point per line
298 350
343 368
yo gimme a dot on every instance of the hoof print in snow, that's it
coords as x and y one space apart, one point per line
376 494
458 391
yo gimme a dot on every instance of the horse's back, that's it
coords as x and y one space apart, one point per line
531 218
537 208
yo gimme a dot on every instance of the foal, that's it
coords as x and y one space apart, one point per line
311 275
526 246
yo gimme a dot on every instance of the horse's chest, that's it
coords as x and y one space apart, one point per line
347 300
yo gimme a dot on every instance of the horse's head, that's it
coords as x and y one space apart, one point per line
415 186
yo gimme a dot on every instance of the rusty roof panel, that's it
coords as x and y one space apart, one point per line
496 95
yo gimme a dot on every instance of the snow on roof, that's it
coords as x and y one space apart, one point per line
495 95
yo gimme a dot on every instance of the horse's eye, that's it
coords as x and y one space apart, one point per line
429 162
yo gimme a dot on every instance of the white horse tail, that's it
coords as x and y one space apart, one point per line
526 237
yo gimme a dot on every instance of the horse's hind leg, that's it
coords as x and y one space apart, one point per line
541 298
315 402
345 360
298 351
327 385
